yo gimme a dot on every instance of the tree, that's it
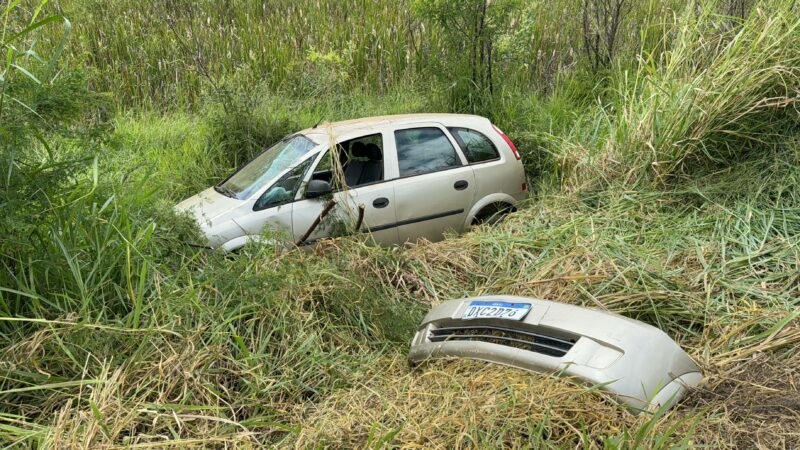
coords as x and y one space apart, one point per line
601 23
471 28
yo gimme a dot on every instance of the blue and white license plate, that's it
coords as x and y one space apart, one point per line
496 310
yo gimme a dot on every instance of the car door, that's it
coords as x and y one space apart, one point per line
273 208
374 194
435 188
492 173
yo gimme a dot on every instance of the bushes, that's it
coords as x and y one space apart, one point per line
719 93
161 56
470 28
68 244
242 127
47 131
700 106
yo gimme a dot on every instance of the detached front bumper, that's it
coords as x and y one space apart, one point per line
637 363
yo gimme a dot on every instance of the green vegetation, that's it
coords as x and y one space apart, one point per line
667 189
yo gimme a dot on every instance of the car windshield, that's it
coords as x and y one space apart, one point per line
266 167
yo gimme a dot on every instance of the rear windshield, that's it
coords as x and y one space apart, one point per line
266 167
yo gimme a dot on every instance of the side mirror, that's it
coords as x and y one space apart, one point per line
318 188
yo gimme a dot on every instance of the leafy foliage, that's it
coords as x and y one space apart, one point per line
471 29
40 174
240 128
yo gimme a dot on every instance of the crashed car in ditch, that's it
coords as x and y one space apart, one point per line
399 178
638 364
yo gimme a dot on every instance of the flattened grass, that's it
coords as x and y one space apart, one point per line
308 348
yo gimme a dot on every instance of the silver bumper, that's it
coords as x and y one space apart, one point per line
635 362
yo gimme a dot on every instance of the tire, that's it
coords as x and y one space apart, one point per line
493 214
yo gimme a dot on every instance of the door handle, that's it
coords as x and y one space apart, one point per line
461 185
380 202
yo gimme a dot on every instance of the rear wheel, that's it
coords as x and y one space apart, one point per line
493 214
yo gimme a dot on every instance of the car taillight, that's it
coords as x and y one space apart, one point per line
508 141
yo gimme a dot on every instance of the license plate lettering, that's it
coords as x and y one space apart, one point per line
496 310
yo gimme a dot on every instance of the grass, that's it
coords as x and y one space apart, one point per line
712 99
165 55
166 48
117 334
309 348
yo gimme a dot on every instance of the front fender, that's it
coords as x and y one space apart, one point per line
239 242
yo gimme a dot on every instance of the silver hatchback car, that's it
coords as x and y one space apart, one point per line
398 177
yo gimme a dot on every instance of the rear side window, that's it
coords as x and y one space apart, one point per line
476 147
424 150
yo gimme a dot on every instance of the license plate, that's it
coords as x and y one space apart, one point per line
496 310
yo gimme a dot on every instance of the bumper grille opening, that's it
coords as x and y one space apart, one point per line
525 340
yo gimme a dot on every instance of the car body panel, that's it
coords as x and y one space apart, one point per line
491 199
375 219
428 205
379 221
423 205
637 363
210 206
254 223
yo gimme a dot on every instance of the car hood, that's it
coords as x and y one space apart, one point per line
209 207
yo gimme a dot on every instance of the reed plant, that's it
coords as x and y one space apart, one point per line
724 88
167 53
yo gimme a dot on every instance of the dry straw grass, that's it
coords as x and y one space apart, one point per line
720 92
753 404
740 328
457 404
288 367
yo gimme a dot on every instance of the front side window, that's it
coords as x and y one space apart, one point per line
360 159
424 150
476 147
284 190
265 167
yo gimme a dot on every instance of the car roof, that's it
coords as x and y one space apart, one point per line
368 123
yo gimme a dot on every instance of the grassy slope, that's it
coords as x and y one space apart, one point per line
307 349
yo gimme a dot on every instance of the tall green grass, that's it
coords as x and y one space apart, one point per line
272 348
167 53
721 90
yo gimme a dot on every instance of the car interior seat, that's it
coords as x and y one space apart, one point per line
366 165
